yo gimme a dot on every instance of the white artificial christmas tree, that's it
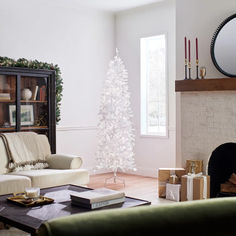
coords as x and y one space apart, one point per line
115 129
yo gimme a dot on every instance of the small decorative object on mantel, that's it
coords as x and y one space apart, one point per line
197 61
202 72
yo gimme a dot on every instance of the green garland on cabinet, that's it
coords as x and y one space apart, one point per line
22 62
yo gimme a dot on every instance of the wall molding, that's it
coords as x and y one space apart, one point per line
86 128
75 128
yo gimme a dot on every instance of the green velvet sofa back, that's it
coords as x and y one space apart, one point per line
195 218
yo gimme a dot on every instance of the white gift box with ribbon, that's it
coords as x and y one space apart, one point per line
173 192
195 186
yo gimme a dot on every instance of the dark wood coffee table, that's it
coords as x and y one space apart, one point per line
30 219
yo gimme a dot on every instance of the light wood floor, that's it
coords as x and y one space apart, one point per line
135 186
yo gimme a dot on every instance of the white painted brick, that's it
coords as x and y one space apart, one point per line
208 119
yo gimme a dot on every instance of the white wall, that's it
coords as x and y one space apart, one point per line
150 153
81 42
197 18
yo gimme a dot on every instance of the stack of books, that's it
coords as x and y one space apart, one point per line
39 93
5 96
97 198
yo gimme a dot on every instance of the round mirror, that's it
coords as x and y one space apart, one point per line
223 47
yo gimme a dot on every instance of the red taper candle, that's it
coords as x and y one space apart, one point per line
189 51
185 47
196 49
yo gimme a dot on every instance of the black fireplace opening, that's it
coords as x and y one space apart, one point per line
221 165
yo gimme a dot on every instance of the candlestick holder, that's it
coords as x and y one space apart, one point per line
189 70
186 69
197 69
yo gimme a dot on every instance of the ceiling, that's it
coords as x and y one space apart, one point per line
116 5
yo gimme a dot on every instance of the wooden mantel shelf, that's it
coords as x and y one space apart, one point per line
220 84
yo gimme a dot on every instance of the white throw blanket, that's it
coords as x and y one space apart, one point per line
26 150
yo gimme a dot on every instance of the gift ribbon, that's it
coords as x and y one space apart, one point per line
172 172
175 178
190 185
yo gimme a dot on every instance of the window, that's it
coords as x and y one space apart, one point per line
153 86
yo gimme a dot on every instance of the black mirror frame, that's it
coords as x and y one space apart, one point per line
213 45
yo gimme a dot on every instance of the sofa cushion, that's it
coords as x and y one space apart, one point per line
45 178
13 184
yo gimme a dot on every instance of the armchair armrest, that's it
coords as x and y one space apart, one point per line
64 161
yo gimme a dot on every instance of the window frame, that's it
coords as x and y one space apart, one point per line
143 86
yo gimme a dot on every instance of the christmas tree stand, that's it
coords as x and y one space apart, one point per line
115 179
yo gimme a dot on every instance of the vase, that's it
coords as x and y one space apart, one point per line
26 94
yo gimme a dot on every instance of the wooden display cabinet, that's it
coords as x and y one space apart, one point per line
28 101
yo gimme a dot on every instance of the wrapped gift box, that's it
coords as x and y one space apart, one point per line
195 187
164 176
173 192
162 190
228 188
196 165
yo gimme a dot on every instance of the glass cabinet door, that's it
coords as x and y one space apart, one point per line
7 103
34 104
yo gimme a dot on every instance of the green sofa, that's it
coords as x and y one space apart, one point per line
196 218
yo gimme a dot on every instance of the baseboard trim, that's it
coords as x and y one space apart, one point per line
92 171
140 171
149 172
